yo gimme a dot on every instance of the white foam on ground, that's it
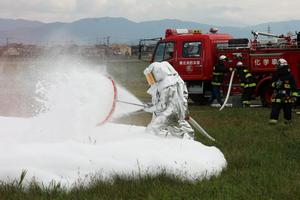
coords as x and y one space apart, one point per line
63 143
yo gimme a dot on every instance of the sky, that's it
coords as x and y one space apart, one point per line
221 12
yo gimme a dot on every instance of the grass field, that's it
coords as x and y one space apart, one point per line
263 160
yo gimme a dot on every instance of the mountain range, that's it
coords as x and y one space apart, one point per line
117 30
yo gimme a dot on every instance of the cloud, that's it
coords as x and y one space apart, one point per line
227 12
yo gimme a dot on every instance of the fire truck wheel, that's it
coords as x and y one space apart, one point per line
199 99
265 95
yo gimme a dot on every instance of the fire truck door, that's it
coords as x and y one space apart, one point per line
190 63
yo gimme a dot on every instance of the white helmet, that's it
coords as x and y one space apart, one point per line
282 63
239 64
222 58
158 71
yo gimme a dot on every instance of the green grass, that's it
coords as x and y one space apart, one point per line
263 162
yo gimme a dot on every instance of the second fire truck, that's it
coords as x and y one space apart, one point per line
193 54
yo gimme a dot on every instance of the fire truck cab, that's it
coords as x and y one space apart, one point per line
193 55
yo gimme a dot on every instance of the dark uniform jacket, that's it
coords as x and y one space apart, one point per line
218 74
284 87
247 80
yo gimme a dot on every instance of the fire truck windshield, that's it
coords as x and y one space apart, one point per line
164 51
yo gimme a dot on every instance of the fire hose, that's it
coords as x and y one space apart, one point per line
113 107
199 128
189 119
228 91
115 99
129 103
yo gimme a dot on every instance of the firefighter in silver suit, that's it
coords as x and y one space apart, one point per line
169 101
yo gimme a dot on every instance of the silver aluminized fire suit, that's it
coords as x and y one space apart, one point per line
169 102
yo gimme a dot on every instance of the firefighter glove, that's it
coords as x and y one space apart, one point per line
149 107
278 84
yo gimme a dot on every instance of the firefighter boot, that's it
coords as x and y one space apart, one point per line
273 121
220 101
246 104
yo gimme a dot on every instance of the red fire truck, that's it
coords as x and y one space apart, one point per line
193 54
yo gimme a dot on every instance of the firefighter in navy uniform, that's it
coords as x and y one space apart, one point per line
247 82
284 94
218 74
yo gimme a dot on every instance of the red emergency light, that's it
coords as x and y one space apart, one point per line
170 32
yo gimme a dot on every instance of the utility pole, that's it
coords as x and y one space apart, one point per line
107 40
269 30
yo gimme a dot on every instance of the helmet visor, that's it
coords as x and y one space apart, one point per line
150 78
